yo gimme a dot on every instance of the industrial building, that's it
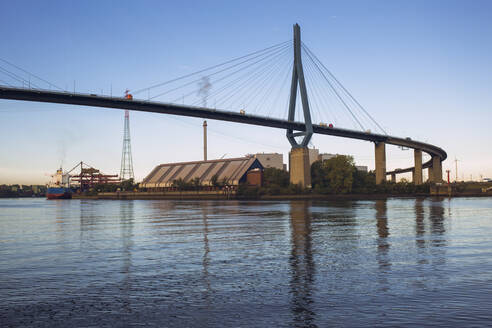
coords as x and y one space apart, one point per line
230 172
361 168
274 160
313 155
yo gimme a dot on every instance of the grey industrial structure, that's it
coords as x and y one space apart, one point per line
271 160
231 171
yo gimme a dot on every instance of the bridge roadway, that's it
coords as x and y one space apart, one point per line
191 111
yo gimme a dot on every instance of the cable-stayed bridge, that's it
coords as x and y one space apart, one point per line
252 89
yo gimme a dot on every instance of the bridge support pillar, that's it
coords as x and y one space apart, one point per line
436 169
380 162
299 168
417 172
393 177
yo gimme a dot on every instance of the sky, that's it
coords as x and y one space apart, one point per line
420 68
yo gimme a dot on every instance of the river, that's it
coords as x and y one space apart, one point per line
395 262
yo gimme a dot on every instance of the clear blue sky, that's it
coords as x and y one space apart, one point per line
421 68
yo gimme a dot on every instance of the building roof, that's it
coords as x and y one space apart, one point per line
230 171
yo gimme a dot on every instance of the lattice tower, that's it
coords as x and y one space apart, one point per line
126 171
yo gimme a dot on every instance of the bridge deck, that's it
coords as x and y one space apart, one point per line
222 115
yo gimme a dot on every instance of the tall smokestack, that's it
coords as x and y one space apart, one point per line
204 140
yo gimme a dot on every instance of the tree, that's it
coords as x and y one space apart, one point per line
364 182
334 175
275 177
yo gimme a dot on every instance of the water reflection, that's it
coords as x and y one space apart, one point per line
419 223
302 264
127 217
206 253
429 240
318 263
438 234
60 217
383 245
88 215
437 227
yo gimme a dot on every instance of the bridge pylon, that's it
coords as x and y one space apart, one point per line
299 167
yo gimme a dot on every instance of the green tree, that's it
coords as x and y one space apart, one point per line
364 182
334 175
276 177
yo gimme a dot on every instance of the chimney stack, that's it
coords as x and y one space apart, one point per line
204 140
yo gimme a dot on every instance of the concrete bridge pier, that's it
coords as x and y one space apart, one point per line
393 177
417 171
436 169
299 168
380 162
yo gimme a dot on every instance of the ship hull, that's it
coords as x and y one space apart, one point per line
58 193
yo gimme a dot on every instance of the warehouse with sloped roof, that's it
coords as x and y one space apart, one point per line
231 171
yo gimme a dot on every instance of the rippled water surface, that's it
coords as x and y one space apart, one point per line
92 263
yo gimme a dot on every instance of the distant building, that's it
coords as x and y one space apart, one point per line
361 168
274 160
326 156
313 155
231 171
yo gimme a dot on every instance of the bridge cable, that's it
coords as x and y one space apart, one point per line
229 75
269 91
208 68
6 83
252 93
254 75
317 91
341 92
263 85
25 71
281 88
337 94
346 91
198 80
18 77
313 100
232 83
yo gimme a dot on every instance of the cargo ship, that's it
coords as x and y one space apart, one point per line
59 187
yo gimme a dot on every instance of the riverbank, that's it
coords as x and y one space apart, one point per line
219 195
171 195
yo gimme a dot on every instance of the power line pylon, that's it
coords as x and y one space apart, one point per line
126 171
